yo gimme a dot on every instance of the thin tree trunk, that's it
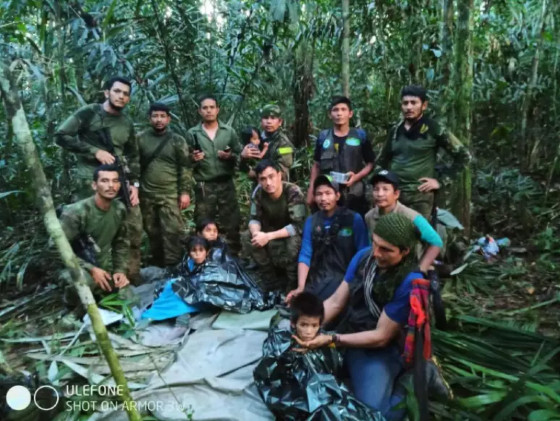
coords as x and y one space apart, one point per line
446 41
345 71
169 63
463 81
15 112
524 149
303 90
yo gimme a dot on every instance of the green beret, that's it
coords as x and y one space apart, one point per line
397 229
270 110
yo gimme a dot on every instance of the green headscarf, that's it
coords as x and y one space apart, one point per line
401 232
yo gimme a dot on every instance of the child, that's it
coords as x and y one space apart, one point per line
250 136
208 230
307 313
198 250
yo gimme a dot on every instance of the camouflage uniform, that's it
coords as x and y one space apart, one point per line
79 134
107 229
280 148
163 179
214 191
278 259
412 155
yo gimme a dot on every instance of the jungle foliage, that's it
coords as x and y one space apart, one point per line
492 70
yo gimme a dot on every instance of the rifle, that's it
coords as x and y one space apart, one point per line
105 136
84 246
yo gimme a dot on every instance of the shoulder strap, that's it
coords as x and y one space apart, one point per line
146 163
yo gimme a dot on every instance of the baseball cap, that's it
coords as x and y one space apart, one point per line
387 176
326 180
270 110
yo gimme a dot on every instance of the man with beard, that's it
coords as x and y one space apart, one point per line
280 149
99 221
214 148
164 186
343 149
101 134
277 214
411 151
331 237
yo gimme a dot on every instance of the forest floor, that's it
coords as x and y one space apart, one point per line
500 352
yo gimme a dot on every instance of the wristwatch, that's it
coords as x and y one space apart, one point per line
136 184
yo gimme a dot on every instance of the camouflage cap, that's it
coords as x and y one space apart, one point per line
270 110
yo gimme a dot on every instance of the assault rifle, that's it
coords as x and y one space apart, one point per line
84 246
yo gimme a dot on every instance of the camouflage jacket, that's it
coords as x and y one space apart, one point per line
281 151
412 154
106 228
288 211
79 134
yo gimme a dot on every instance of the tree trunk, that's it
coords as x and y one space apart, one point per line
525 151
446 42
303 90
15 112
345 71
463 81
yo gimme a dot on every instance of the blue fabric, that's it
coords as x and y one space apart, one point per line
168 305
360 233
353 266
372 374
427 233
398 308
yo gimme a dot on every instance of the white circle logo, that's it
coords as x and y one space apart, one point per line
55 393
18 398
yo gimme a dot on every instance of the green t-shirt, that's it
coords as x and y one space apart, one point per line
167 175
106 228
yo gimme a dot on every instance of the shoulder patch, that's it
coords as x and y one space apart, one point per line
352 141
346 232
424 128
326 144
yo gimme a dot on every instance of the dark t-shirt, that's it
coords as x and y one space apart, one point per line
367 150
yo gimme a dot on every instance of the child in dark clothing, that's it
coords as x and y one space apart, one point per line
208 229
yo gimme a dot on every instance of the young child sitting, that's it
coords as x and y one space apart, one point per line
198 249
208 230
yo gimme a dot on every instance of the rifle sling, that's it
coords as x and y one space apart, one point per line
146 163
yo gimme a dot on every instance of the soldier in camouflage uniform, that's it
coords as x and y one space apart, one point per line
277 214
164 186
280 148
214 148
100 221
411 151
84 134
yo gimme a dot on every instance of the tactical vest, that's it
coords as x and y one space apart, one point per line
348 158
334 248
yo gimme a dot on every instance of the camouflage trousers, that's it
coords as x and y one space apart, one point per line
277 262
217 200
420 202
165 227
81 188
